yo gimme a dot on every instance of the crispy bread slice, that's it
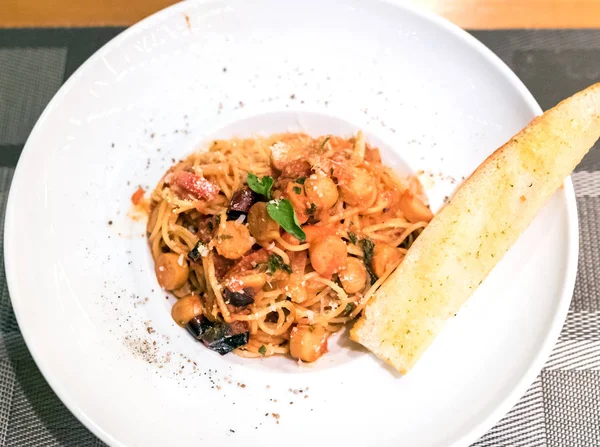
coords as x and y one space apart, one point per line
466 239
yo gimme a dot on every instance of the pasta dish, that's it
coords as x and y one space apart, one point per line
273 244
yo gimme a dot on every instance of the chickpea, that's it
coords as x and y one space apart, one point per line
261 226
233 240
295 289
413 208
313 232
360 189
385 257
184 290
327 255
169 273
185 309
308 342
353 276
246 280
322 191
295 194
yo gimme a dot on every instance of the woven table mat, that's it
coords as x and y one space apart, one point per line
561 408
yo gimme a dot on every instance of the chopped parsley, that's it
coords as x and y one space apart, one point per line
368 246
260 186
275 263
262 349
324 142
301 180
349 308
297 189
313 208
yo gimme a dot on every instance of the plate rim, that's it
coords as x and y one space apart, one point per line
473 433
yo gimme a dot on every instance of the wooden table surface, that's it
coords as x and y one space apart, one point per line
471 14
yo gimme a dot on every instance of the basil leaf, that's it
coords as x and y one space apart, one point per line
260 186
368 246
282 212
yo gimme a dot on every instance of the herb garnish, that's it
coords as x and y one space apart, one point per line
325 142
352 237
297 189
368 246
313 208
301 180
260 186
275 263
282 212
222 237
262 349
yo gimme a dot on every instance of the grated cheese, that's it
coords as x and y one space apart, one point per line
279 150
203 250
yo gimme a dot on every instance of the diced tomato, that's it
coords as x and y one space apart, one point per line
249 261
222 266
137 196
195 186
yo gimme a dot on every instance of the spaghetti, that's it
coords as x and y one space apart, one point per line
272 244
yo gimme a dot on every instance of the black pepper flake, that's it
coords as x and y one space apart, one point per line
110 222
224 69
112 145
293 96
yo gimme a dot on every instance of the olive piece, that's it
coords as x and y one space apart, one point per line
239 299
241 202
224 338
198 325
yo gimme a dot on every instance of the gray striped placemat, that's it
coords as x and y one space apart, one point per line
562 407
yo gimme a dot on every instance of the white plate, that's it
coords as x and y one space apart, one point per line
84 291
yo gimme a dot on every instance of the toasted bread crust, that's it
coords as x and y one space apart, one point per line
466 239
